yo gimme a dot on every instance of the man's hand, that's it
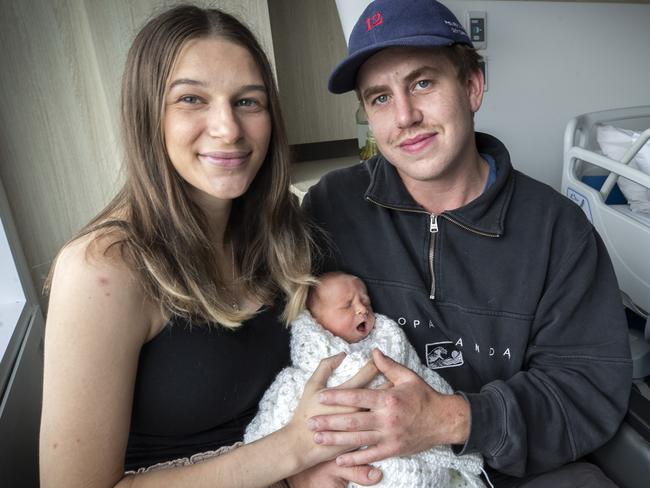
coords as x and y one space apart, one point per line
403 419
330 475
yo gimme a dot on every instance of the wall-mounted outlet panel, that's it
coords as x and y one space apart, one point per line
477 28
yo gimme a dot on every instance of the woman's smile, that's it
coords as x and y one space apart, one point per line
225 159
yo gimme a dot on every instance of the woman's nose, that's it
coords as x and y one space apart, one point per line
223 123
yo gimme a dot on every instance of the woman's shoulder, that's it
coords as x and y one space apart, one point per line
97 252
92 274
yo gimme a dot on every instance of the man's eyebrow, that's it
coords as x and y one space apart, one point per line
371 90
413 75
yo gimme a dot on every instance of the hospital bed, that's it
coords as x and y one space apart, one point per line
589 179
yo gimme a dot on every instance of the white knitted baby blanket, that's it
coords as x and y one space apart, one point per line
310 343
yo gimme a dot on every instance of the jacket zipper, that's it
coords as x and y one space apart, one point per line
433 230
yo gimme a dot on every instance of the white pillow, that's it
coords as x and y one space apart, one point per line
614 142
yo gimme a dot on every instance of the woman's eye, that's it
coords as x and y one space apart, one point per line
252 105
247 103
190 99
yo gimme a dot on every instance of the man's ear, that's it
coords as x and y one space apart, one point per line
475 86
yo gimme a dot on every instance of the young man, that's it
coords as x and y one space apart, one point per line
500 283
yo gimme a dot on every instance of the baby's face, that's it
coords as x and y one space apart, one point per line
343 308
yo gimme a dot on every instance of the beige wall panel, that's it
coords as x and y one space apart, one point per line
309 43
62 61
56 158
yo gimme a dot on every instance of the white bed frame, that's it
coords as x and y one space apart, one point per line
625 233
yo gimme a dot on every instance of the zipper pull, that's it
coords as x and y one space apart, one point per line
433 227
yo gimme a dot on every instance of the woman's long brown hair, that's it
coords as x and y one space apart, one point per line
160 231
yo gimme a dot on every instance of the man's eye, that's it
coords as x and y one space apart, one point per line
423 84
381 99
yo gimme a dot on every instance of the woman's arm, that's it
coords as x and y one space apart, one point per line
98 319
280 455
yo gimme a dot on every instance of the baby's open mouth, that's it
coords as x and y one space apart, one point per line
362 327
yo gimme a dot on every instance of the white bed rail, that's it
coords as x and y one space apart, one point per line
627 157
616 168
579 142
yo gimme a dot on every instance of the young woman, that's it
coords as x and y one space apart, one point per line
167 311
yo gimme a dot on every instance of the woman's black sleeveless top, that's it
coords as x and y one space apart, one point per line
198 386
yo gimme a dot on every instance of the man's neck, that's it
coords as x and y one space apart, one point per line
451 191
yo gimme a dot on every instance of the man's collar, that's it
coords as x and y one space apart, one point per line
485 214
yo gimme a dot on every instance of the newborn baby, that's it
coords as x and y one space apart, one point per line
340 304
340 318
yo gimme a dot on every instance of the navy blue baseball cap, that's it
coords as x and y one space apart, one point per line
389 23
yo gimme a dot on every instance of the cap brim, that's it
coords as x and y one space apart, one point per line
344 76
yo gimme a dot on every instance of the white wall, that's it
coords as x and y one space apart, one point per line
549 61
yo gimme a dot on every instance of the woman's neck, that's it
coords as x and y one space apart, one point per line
217 214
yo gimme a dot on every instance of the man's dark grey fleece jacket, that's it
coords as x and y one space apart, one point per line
511 298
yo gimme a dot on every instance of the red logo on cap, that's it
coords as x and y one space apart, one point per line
374 21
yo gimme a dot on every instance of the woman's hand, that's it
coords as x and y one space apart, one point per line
330 475
307 451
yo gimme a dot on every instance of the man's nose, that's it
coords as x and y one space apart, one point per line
408 113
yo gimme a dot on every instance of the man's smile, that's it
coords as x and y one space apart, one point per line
416 144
